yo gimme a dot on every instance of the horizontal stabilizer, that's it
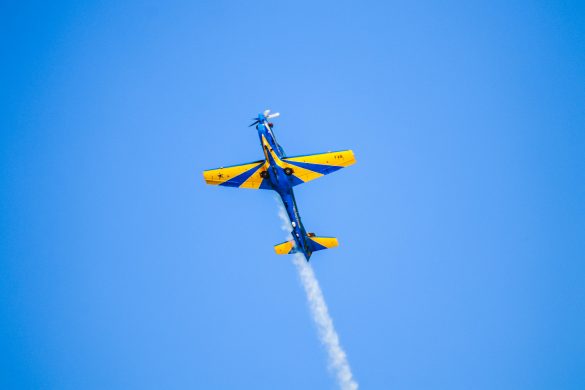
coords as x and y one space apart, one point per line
314 243
286 248
320 243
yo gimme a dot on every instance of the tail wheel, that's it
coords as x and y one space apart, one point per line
264 174
288 171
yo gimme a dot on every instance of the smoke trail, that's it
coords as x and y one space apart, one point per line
327 334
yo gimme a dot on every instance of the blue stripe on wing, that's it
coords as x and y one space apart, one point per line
319 168
241 178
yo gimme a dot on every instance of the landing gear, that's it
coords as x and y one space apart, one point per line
288 171
264 174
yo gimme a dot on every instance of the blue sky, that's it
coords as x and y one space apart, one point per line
461 227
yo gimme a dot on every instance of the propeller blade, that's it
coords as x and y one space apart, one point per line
275 115
266 112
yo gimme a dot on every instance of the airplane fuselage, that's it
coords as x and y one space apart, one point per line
281 181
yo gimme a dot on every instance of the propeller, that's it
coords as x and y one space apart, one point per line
268 115
264 116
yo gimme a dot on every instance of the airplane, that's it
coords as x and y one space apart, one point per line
281 173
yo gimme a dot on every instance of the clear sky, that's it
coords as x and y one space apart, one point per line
461 227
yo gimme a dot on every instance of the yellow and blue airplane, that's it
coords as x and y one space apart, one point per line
280 173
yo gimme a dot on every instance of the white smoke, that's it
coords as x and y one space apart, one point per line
327 334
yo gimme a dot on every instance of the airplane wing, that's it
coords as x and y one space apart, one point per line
242 176
312 166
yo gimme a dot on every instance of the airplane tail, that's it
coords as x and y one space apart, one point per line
313 242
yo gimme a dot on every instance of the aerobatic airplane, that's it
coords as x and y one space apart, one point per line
280 173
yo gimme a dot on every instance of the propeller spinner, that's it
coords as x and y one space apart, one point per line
264 116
